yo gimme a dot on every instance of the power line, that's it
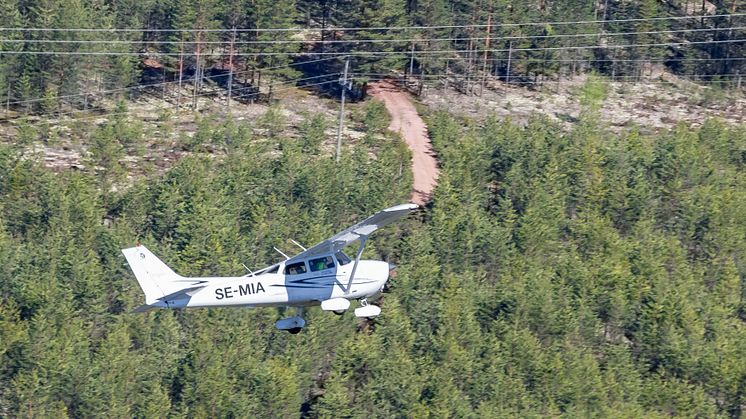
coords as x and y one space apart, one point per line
340 55
380 77
518 83
260 69
634 77
160 84
145 86
362 41
216 77
378 53
244 96
242 89
380 28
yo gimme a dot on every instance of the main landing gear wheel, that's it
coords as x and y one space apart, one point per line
292 324
366 310
339 312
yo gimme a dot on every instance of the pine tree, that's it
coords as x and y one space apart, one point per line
10 17
430 13
648 9
279 55
26 91
375 14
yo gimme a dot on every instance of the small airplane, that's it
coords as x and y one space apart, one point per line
322 274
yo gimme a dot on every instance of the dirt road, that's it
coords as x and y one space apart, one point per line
406 121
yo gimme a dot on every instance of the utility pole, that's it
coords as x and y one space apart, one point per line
510 53
343 82
7 99
486 50
230 68
411 61
181 73
196 72
163 80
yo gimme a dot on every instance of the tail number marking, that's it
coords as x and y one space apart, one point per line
241 290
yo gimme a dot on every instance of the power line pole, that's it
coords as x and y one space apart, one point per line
411 61
181 73
510 53
196 72
230 68
343 82
163 79
7 99
486 49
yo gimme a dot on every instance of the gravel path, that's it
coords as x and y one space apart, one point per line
407 122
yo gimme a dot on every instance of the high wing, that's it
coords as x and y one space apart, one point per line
360 230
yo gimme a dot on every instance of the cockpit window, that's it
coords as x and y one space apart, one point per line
321 263
295 268
342 258
270 270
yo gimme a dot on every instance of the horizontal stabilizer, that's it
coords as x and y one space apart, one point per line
183 293
144 308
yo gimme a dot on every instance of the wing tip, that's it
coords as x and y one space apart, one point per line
411 206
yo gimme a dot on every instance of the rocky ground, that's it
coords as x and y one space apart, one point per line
660 101
164 126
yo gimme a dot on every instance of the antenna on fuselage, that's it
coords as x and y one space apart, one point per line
280 252
247 268
298 244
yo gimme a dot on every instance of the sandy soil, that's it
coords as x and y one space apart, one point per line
657 103
406 121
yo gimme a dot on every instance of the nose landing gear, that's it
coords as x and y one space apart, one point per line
367 310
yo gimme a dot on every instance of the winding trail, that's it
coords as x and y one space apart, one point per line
407 122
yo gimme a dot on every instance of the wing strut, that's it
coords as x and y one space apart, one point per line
363 239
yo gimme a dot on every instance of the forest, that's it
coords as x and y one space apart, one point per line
67 54
555 272
559 269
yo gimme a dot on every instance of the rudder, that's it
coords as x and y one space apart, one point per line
155 277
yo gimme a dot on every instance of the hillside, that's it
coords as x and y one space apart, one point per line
581 255
580 272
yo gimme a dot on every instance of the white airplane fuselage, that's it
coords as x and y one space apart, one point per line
320 275
280 289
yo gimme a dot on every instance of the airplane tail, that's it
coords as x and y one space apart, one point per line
156 279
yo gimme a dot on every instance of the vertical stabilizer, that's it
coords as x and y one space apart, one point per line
156 279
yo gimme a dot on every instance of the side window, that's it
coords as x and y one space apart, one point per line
342 258
321 263
295 268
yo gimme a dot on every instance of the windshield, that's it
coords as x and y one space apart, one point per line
270 270
342 258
